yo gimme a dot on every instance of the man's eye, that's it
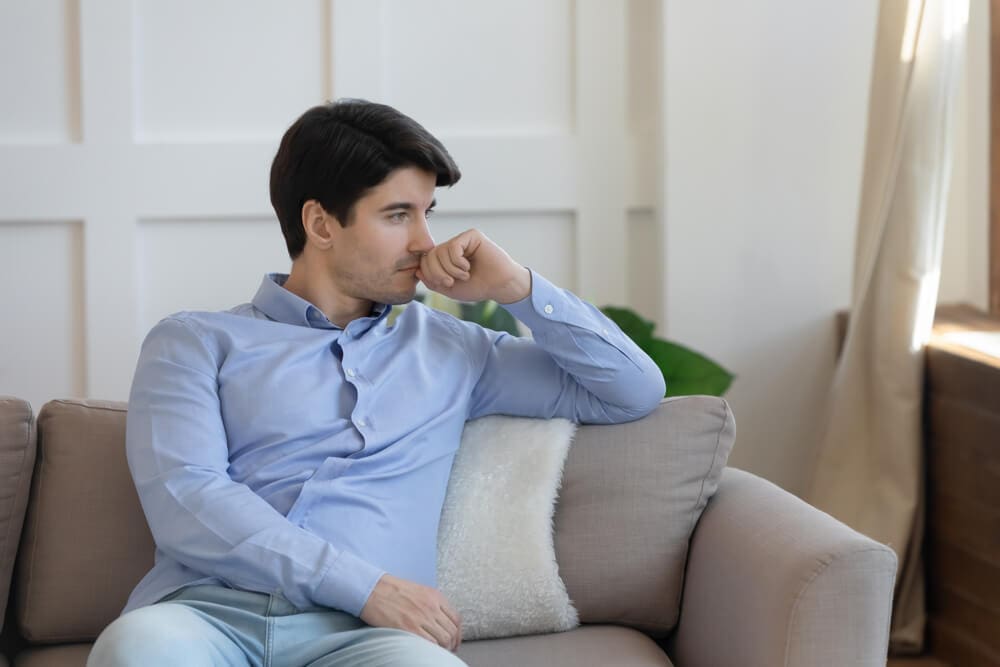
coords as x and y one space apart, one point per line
429 212
399 216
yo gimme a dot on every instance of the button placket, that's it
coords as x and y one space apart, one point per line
353 348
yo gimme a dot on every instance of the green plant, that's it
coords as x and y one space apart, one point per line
686 371
487 314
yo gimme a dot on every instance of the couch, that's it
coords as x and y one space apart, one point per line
669 557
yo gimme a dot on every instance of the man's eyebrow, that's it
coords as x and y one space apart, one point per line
404 206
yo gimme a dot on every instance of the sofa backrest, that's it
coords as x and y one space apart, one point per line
630 498
17 459
86 543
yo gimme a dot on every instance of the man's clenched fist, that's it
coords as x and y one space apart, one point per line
471 267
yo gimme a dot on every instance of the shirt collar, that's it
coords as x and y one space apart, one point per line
281 305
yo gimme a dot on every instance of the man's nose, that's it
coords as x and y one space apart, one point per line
421 240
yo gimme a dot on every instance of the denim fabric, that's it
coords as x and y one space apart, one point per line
214 625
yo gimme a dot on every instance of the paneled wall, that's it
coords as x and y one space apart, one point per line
136 139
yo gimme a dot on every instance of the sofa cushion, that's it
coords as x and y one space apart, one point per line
496 557
630 498
86 542
17 459
590 645
587 645
69 655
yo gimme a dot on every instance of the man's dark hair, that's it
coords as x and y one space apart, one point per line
336 151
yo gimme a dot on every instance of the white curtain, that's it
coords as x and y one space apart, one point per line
869 468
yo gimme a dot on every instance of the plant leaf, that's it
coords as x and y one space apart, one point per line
501 320
636 328
488 314
443 303
686 371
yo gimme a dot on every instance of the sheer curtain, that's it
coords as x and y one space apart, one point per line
869 467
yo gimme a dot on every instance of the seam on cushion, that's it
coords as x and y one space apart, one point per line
701 494
70 401
32 548
823 567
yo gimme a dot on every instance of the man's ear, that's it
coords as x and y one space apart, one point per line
317 224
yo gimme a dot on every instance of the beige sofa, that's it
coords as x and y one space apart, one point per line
669 557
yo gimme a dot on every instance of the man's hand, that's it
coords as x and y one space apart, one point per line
471 267
424 611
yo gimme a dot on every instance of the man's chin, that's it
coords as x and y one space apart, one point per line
398 299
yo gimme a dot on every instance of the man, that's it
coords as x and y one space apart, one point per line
292 454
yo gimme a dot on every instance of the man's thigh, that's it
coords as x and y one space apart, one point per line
365 645
165 634
208 625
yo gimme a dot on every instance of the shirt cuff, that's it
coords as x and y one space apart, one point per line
348 583
548 304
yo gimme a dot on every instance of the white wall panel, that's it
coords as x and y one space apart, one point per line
39 72
203 264
228 69
545 242
177 108
42 338
480 67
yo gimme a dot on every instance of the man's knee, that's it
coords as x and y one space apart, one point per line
161 634
397 648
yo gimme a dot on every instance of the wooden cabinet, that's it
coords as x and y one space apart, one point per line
962 536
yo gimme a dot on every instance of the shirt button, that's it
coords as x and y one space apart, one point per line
548 309
362 423
606 332
350 372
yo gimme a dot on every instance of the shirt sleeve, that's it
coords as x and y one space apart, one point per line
579 365
179 458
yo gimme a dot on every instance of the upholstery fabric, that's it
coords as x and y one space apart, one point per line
774 581
17 459
86 542
588 645
69 655
631 496
496 558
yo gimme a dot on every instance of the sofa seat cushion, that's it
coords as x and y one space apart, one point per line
67 655
586 645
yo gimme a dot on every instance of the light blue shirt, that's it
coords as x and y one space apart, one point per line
274 452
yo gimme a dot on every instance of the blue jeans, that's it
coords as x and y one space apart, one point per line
213 625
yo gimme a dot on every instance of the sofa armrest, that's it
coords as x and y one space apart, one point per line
17 462
772 580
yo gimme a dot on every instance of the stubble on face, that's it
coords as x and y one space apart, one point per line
394 286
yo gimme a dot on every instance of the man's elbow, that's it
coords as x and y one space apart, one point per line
647 395
654 393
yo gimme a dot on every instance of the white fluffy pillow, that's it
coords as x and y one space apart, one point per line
496 559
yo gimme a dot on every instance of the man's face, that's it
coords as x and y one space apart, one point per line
376 256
